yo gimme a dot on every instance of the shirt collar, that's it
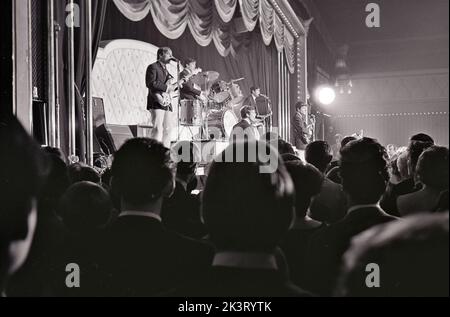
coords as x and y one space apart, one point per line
141 214
245 260
353 208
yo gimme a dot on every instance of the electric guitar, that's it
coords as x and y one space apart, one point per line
164 99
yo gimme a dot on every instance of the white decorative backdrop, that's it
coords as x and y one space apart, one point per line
118 78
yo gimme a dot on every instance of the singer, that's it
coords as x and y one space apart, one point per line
255 92
303 126
160 90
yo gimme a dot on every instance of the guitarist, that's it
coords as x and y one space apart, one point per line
303 128
158 81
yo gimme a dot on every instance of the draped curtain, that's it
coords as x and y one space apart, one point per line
211 21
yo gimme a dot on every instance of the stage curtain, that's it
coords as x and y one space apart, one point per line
226 9
211 21
255 62
99 8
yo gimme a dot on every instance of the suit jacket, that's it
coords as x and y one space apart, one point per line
249 101
327 247
393 191
145 259
249 132
300 129
220 281
188 90
156 80
181 213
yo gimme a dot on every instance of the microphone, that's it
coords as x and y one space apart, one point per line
264 96
173 59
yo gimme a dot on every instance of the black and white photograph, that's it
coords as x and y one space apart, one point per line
224 154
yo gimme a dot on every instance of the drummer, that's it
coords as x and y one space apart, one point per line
190 91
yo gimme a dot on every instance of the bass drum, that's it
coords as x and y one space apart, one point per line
221 123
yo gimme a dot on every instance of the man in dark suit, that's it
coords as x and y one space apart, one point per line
364 173
301 128
144 258
181 212
158 82
246 213
189 91
255 93
246 129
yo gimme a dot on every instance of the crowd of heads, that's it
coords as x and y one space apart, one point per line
244 211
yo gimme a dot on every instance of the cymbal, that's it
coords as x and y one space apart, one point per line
205 78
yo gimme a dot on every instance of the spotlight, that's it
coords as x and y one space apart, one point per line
325 95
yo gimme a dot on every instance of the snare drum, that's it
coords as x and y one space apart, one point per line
221 123
191 113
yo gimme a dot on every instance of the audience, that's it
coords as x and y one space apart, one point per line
83 173
247 213
410 184
37 275
307 183
22 171
432 173
136 229
364 172
145 258
333 169
86 210
412 256
329 205
181 212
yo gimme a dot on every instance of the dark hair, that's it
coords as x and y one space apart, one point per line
300 104
415 149
188 60
285 147
162 51
245 111
347 140
422 137
244 209
141 170
79 172
364 170
432 167
23 169
412 255
85 207
307 182
318 153
55 151
254 88
55 185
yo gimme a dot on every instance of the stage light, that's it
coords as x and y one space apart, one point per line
325 95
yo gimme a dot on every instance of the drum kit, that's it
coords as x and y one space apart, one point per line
216 113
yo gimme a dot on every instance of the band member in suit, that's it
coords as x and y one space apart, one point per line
303 126
158 81
255 93
246 129
189 90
